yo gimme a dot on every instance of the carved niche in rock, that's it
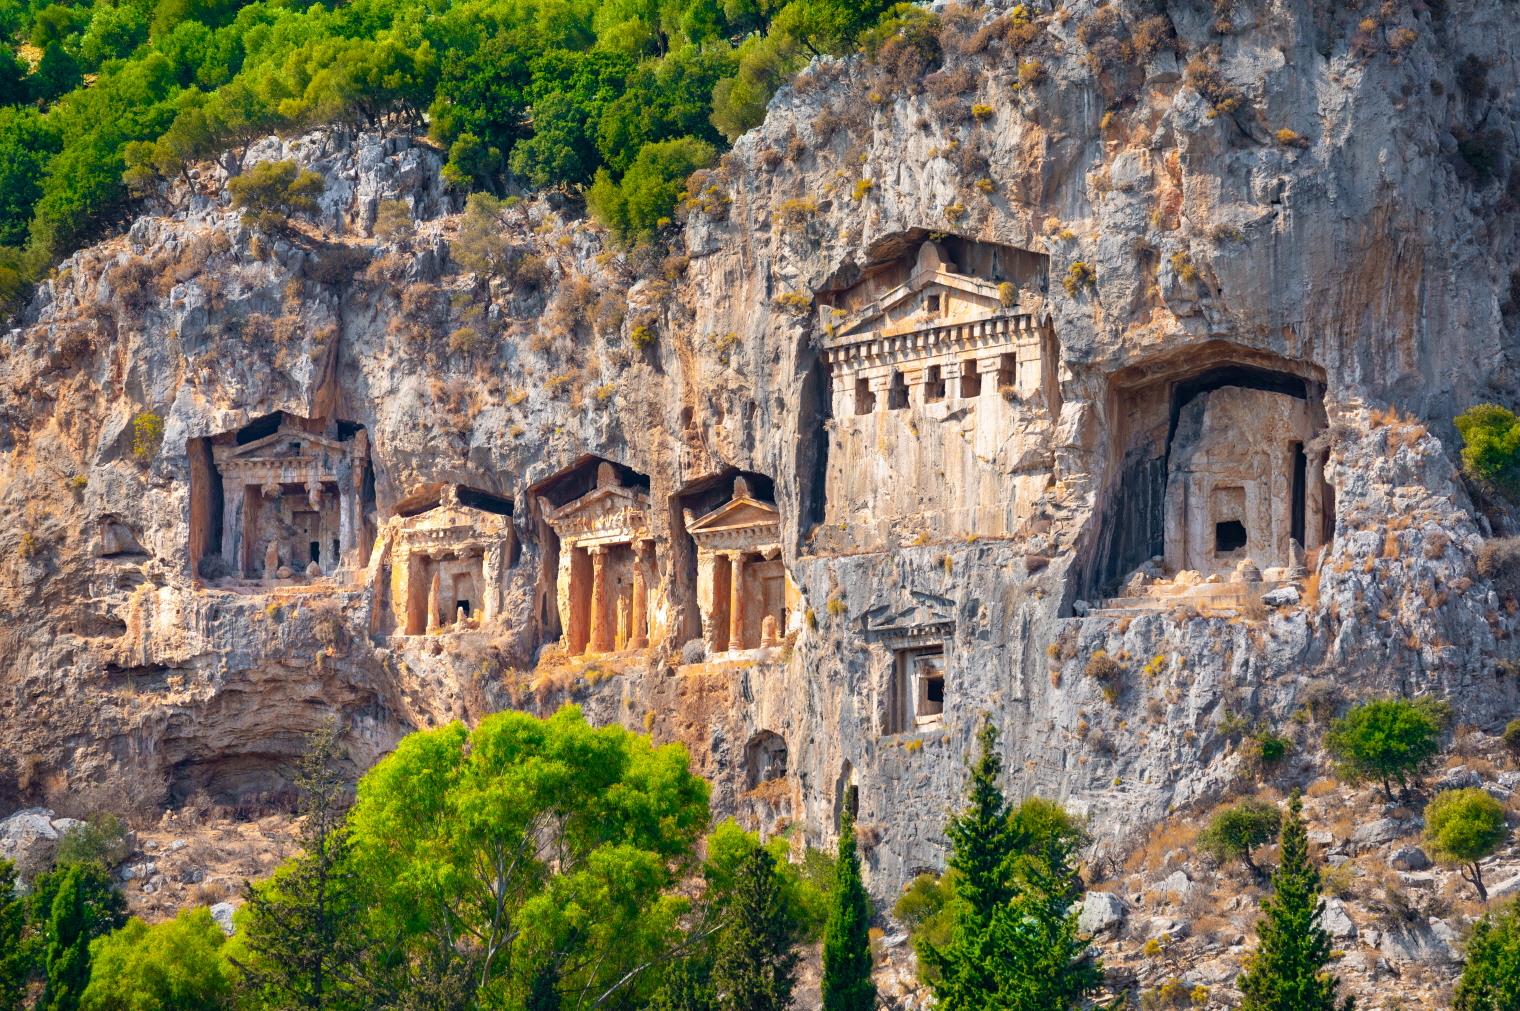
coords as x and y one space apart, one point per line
916 629
448 555
743 592
293 497
607 566
942 378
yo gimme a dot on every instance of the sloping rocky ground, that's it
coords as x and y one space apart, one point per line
1310 183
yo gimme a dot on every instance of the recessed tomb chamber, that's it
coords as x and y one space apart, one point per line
451 546
743 593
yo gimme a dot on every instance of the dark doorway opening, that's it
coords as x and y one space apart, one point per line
1300 483
1228 536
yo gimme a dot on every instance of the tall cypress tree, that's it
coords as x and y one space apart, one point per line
15 965
847 984
756 965
1286 973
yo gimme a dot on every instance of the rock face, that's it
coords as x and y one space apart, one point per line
944 326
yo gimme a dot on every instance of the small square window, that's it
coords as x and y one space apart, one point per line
1229 536
932 304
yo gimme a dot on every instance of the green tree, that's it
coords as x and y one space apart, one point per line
847 984
13 71
1464 827
686 986
1491 445
756 964
103 838
299 941
1233 832
73 904
481 244
15 963
643 201
926 908
57 74
1387 741
1286 972
1491 977
1013 943
173 966
271 192
527 847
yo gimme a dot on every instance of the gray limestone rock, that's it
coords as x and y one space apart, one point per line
1101 911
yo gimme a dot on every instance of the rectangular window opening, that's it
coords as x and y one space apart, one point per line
865 400
934 384
1229 536
971 379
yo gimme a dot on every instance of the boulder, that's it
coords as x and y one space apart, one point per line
1337 921
1283 596
1419 942
222 914
1376 833
1409 858
1101 911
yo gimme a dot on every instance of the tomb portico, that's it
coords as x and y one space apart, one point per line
607 566
292 500
940 375
448 554
743 592
1240 483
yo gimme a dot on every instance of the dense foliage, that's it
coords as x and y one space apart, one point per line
1013 940
171 966
1387 741
1491 978
100 98
1286 971
1491 445
1465 827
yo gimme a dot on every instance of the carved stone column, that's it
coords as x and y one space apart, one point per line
435 603
234 494
736 602
601 638
639 624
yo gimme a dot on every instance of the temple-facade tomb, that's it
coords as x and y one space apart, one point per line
450 547
292 500
607 567
941 380
743 593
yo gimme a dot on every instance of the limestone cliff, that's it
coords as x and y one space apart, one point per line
1096 375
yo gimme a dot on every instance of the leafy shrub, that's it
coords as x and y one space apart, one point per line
1464 827
1232 833
1512 735
1079 276
1206 79
147 435
1387 741
1491 446
271 192
103 839
1267 748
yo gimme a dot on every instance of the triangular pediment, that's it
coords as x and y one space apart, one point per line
915 293
600 502
277 445
737 514
910 611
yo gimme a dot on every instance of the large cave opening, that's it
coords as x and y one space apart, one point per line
1216 462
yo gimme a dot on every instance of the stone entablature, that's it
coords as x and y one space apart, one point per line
447 565
291 502
607 566
743 592
932 338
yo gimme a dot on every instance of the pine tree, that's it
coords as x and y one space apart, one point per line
756 965
847 984
1014 944
1286 973
302 926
